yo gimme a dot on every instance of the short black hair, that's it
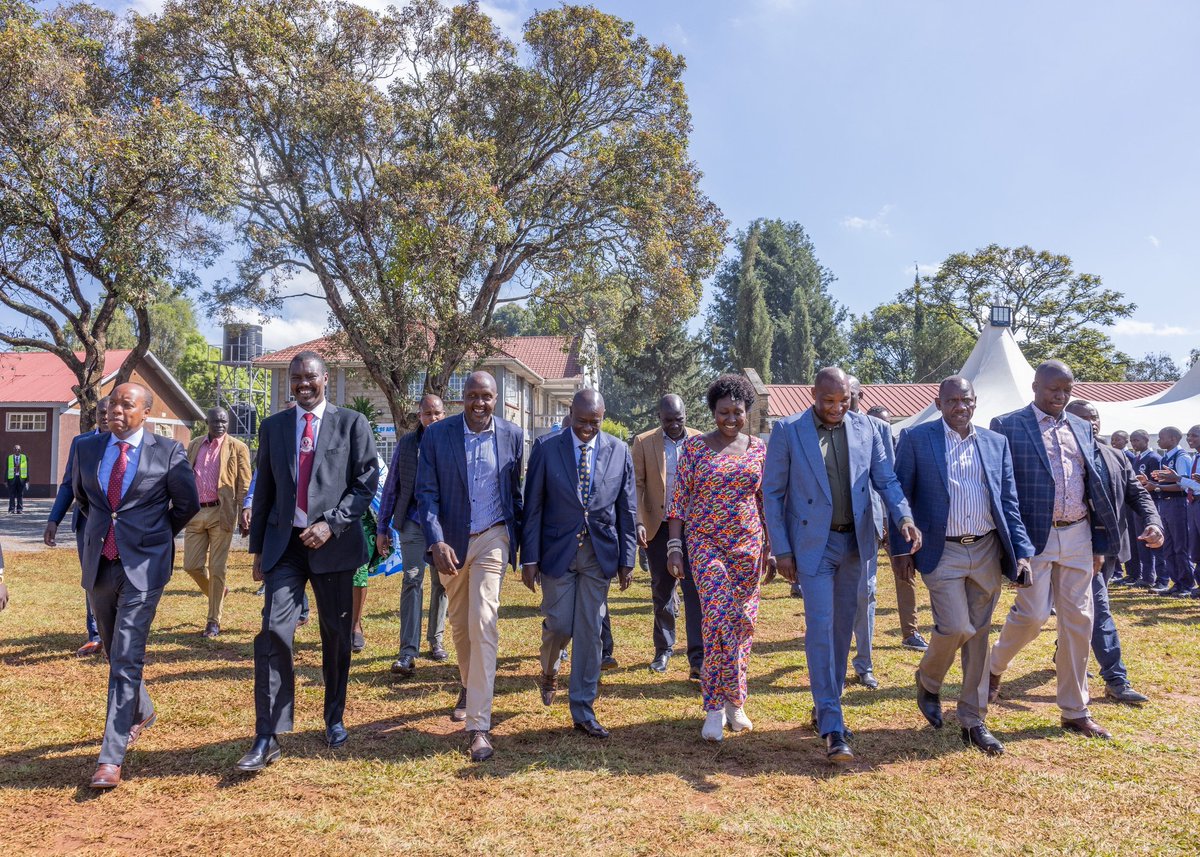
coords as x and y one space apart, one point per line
735 387
305 356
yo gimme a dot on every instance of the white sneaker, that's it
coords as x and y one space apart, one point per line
714 726
736 717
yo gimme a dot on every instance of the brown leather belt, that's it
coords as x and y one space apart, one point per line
210 505
1058 525
842 528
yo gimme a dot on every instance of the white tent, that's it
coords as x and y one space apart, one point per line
1177 406
1002 377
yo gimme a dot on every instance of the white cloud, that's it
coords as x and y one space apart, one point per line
878 223
677 36
1132 327
283 332
1154 241
923 269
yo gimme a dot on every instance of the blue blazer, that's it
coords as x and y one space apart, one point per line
1035 483
796 496
554 514
443 498
160 501
921 469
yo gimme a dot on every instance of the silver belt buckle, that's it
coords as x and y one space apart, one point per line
968 540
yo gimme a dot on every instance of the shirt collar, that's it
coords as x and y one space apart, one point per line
491 426
318 411
576 442
668 439
953 434
134 440
822 425
1042 415
218 440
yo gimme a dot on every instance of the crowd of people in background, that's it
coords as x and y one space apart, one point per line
1037 499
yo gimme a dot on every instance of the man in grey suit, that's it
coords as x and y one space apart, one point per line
137 492
580 532
820 465
317 472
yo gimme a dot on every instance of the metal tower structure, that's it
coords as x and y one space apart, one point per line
243 389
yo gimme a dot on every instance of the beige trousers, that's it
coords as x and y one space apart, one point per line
473 608
1062 578
204 540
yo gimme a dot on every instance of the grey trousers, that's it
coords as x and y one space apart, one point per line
864 618
412 551
573 609
963 592
123 615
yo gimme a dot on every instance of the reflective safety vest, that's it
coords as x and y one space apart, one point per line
16 462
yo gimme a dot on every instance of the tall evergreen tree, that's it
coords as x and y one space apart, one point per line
802 356
753 329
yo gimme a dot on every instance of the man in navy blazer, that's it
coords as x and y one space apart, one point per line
469 503
1072 523
820 466
959 481
137 493
62 504
580 533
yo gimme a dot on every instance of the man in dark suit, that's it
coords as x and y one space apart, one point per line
62 504
1129 496
1145 568
316 474
1073 525
820 464
1171 499
137 492
469 500
580 532
400 496
959 481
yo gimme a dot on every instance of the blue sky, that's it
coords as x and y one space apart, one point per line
899 132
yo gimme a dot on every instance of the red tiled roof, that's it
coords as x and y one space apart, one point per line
39 376
552 357
904 400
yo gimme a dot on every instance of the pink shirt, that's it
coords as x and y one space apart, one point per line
1066 466
208 469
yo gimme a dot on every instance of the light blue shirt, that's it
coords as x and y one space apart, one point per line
672 449
1184 469
483 476
133 455
249 501
576 445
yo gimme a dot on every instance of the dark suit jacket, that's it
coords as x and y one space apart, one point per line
1129 494
160 501
443 497
922 471
65 497
344 477
1035 483
400 485
554 515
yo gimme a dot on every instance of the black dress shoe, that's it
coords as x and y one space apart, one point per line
405 666
836 748
608 662
459 714
592 729
983 740
437 653
694 674
481 746
659 664
929 703
336 735
263 752
549 688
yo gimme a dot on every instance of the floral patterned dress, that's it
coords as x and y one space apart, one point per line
719 499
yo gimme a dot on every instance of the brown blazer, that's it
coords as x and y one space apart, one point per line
234 480
650 474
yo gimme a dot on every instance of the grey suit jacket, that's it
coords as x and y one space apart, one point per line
344 477
160 501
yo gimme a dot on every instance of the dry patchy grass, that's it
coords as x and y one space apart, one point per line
404 785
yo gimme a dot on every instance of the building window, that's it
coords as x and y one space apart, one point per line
454 387
384 448
27 421
164 430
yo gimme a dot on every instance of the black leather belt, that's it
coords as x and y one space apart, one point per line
842 528
486 529
210 505
1058 525
968 540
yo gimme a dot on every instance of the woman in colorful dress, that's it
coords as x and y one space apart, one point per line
717 505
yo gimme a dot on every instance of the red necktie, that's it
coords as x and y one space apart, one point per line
109 551
306 464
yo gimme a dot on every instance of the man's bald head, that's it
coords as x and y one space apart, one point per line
672 416
479 400
955 384
831 395
587 398
1086 411
587 414
480 379
128 406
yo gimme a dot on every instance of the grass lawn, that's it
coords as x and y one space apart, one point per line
403 784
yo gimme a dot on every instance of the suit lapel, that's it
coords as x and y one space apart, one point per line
331 421
288 427
224 461
604 448
658 448
566 448
458 440
1030 420
937 448
860 452
806 428
145 462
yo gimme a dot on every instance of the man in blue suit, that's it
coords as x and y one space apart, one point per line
469 503
137 492
62 504
580 532
1072 523
820 466
960 483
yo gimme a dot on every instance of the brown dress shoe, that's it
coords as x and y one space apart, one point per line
549 688
106 777
993 687
91 647
481 746
1087 727
135 731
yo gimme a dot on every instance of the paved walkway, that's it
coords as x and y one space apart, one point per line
24 532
